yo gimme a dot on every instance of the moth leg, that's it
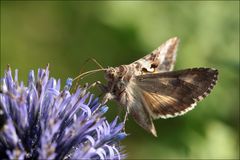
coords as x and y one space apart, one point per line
125 118
103 89
101 86
108 96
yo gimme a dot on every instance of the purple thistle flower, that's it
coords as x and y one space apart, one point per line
39 121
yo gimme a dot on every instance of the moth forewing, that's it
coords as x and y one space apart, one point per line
161 59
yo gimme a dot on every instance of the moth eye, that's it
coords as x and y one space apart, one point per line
154 65
109 76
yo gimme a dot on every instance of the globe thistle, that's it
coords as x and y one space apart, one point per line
40 121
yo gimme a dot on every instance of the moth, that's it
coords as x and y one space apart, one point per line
149 88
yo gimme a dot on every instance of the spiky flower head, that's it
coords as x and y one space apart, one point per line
40 121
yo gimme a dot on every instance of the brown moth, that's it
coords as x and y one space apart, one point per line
148 88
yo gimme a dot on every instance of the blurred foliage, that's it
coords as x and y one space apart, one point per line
65 34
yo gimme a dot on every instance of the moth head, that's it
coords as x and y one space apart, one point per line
110 74
116 73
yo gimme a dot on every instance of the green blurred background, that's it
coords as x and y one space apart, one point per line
65 34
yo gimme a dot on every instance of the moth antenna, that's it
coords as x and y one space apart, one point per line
82 68
89 73
94 61
97 63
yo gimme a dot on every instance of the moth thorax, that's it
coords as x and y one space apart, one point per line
122 70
